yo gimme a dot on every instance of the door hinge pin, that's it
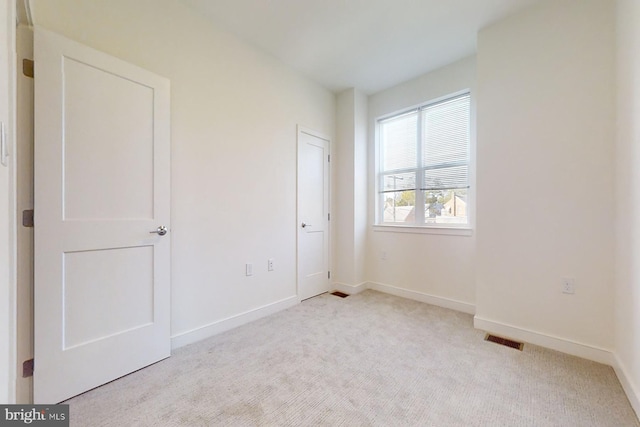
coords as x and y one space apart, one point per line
328 275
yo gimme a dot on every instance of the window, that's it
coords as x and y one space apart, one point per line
423 171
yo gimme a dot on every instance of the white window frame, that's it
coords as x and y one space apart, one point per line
428 228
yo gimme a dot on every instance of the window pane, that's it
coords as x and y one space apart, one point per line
424 159
399 207
399 181
446 206
446 177
398 139
446 132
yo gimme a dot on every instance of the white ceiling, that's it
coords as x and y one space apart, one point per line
367 44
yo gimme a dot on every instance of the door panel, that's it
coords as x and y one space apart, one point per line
90 96
313 209
101 187
97 281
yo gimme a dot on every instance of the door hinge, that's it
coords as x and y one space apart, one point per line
27 218
28 67
329 158
328 217
27 368
328 275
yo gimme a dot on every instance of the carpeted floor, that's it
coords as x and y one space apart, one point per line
367 360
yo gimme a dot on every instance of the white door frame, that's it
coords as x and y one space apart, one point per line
8 366
301 129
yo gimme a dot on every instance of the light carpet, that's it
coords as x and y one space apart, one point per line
367 360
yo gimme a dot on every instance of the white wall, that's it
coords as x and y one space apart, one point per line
442 266
349 207
233 131
7 203
361 187
627 313
545 175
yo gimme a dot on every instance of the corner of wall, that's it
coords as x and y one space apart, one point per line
350 289
627 283
631 390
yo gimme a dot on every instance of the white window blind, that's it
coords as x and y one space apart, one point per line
400 148
424 164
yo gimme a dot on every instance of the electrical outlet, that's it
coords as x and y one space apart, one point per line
249 269
568 286
270 264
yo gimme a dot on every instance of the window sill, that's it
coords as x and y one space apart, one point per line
452 231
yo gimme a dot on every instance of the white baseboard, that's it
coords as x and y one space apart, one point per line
350 289
223 325
422 297
632 391
554 343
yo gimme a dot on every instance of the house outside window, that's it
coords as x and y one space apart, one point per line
424 163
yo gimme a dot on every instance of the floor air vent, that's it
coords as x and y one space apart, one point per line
504 341
339 294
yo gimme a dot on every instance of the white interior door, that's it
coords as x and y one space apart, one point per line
102 155
313 214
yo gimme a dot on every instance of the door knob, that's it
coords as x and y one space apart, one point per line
161 231
304 224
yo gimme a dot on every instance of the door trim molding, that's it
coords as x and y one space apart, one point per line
308 131
8 283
